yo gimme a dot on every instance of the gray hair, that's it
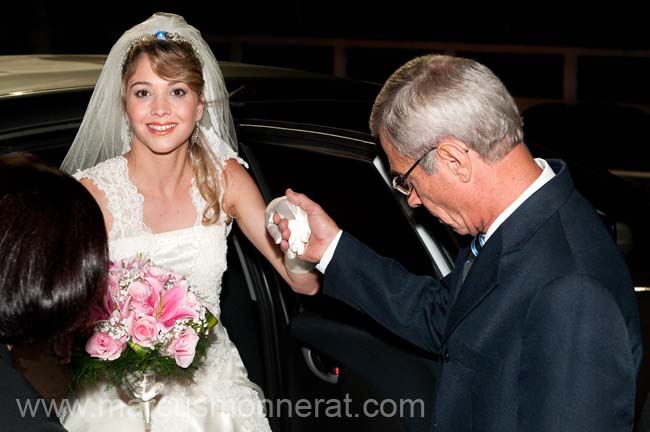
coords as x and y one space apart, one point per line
437 96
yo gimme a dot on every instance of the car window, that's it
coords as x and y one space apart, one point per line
48 144
340 174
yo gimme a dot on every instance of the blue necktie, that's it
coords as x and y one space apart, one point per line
474 249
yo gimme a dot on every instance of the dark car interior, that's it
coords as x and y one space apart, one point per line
358 351
340 175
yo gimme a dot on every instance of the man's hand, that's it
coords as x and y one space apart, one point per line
323 227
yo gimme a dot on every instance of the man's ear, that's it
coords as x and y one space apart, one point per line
454 156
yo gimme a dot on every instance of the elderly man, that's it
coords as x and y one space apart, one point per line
536 328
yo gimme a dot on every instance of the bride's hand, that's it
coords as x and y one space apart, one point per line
323 228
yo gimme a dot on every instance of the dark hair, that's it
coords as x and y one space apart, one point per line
53 248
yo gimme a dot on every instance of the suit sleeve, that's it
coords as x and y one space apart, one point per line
413 307
577 371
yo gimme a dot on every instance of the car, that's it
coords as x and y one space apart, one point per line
281 116
309 132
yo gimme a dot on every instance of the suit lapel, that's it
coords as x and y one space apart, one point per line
480 282
511 236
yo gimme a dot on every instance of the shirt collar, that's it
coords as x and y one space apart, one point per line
546 175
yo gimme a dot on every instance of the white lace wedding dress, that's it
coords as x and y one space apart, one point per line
222 397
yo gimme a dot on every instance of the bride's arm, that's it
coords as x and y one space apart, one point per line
243 201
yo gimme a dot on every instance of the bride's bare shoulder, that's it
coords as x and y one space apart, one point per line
100 198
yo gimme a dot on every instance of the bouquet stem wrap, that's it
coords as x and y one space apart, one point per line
145 390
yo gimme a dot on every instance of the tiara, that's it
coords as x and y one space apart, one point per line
160 35
163 35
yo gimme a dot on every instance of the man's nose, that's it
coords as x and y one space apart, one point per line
413 199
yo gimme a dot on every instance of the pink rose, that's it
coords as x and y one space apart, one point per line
183 347
139 291
103 346
140 309
144 331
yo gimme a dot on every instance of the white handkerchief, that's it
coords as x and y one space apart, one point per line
300 232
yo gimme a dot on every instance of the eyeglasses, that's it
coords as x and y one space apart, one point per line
400 184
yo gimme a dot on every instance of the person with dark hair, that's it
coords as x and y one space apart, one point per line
54 254
537 326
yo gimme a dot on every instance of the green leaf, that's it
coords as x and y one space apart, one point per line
139 350
211 319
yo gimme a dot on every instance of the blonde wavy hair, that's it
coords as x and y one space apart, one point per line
177 60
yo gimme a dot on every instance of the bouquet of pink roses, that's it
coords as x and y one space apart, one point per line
148 320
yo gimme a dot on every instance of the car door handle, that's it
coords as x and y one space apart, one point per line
330 377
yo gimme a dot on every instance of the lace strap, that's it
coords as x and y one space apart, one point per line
124 203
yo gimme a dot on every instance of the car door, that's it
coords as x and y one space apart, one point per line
325 350
44 124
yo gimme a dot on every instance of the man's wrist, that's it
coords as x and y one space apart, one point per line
329 253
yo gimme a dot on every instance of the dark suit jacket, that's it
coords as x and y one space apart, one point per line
543 335
15 391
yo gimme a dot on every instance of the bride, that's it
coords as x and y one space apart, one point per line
157 150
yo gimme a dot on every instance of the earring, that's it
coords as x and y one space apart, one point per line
195 135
